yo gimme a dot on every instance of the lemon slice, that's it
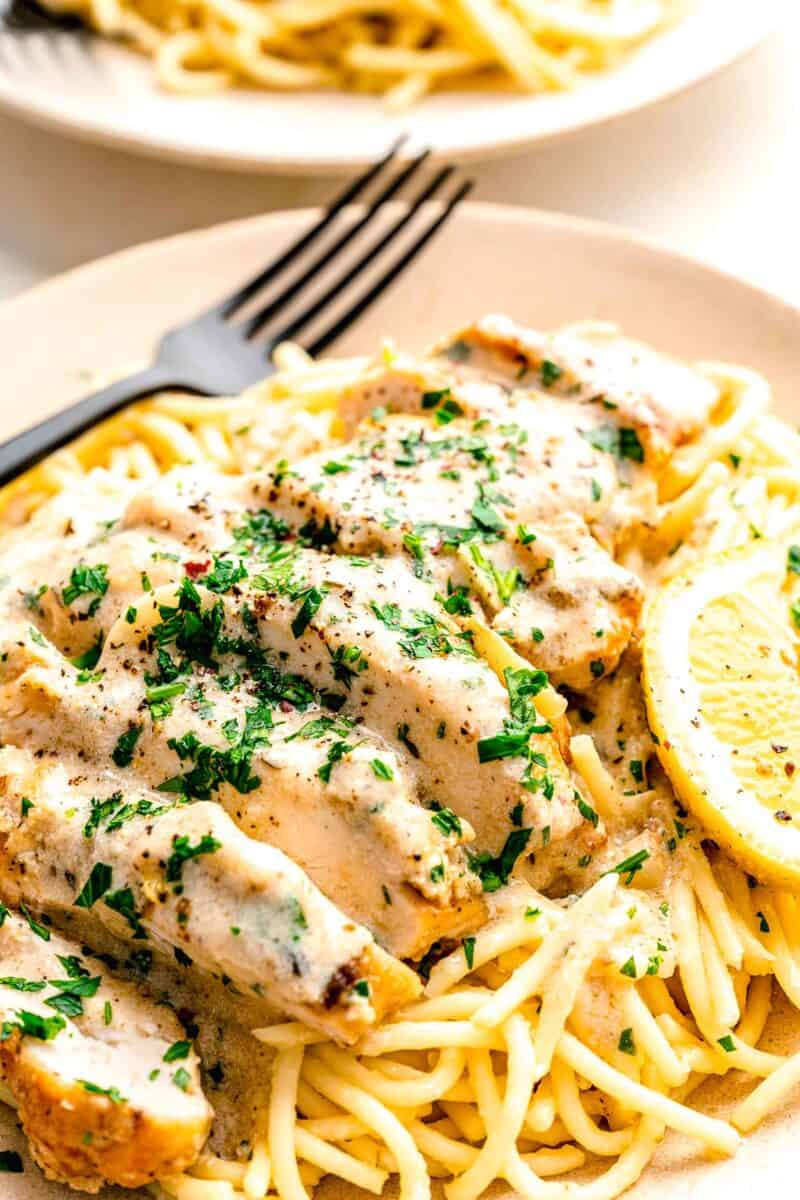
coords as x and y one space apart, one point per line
722 688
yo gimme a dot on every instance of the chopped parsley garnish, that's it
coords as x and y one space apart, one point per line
72 965
40 930
456 602
87 581
629 968
96 886
33 1025
629 866
320 726
111 1093
727 1043
483 514
586 810
506 582
431 399
447 411
213 767
424 635
793 560
381 769
549 373
177 1050
311 600
73 991
122 902
122 753
260 532
113 813
87 661
159 698
621 442
226 573
297 918
626 1043
469 950
447 822
31 599
494 872
183 852
347 662
514 740
335 754
22 985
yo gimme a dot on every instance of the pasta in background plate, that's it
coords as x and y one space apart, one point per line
401 48
622 957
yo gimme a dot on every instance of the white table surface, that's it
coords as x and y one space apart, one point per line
714 172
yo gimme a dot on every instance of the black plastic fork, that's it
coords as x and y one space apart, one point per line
216 354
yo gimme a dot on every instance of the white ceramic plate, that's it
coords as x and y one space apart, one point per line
539 268
109 95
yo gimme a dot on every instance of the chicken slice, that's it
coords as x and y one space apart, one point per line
108 1089
185 877
664 401
418 886
522 509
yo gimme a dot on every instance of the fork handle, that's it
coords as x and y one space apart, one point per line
28 448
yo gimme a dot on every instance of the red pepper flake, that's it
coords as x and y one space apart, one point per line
193 569
782 815
285 706
789 769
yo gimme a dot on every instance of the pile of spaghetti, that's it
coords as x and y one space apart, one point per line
403 48
552 1039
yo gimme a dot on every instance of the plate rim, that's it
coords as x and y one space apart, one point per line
96 132
584 227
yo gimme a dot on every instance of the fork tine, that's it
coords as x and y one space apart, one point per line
27 16
260 319
370 254
228 306
383 282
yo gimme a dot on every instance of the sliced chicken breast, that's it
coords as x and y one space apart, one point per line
106 1083
185 877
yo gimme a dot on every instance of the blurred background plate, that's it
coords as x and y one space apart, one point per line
103 92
